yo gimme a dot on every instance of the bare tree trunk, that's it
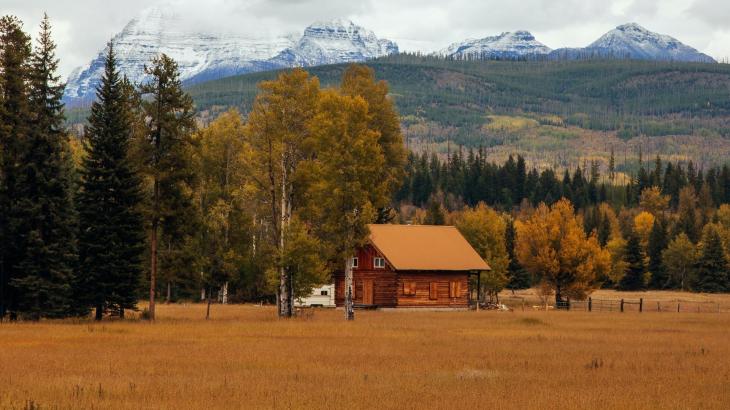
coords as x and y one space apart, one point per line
99 312
349 308
167 299
207 312
224 300
153 268
285 307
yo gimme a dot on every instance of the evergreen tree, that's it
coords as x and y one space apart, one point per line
435 213
518 277
633 279
712 267
15 50
109 203
44 195
520 180
165 158
612 167
604 230
688 216
658 241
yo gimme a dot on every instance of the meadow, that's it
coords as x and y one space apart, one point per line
244 357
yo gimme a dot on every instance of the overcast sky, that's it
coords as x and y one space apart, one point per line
82 27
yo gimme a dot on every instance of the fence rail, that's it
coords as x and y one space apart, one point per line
639 305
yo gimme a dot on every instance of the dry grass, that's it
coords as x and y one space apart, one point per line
245 358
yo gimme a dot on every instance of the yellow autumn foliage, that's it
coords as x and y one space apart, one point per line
552 245
643 222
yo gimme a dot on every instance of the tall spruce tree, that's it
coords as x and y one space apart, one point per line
111 235
44 195
712 267
519 278
166 157
604 229
15 51
633 279
658 241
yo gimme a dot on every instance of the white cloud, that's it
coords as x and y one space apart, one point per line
82 27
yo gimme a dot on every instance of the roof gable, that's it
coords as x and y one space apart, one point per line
425 248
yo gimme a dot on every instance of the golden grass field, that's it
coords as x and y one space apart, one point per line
246 358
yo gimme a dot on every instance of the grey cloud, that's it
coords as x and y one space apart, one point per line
714 13
83 26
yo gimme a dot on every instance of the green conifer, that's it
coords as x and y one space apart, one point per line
633 279
519 278
15 51
111 235
658 241
165 159
712 267
44 195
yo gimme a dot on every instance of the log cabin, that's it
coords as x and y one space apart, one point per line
412 266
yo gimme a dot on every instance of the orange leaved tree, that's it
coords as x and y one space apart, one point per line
552 245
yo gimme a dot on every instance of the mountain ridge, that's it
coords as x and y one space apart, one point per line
629 40
209 56
635 42
515 44
204 56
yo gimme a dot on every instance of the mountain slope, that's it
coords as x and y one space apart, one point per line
508 45
635 42
207 56
559 113
627 96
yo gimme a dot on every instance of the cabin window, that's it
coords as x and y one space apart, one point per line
323 293
454 289
409 288
433 293
354 262
379 263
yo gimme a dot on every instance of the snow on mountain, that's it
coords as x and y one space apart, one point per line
336 41
206 56
506 45
633 41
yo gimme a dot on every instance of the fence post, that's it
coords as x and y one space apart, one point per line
641 305
590 305
677 307
622 305
658 307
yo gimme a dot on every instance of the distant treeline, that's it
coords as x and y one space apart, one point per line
467 179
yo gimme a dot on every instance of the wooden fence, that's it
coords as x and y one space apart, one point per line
639 305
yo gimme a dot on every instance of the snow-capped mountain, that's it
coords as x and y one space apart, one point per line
335 41
506 45
635 42
206 56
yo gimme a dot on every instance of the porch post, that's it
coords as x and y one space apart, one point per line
479 287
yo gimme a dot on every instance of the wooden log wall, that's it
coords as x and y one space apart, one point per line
442 285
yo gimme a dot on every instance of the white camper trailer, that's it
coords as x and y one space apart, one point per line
323 296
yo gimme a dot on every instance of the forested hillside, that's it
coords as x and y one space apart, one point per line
540 109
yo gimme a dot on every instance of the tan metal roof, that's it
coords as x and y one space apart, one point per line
425 247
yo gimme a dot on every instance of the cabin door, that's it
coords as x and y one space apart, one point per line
367 292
